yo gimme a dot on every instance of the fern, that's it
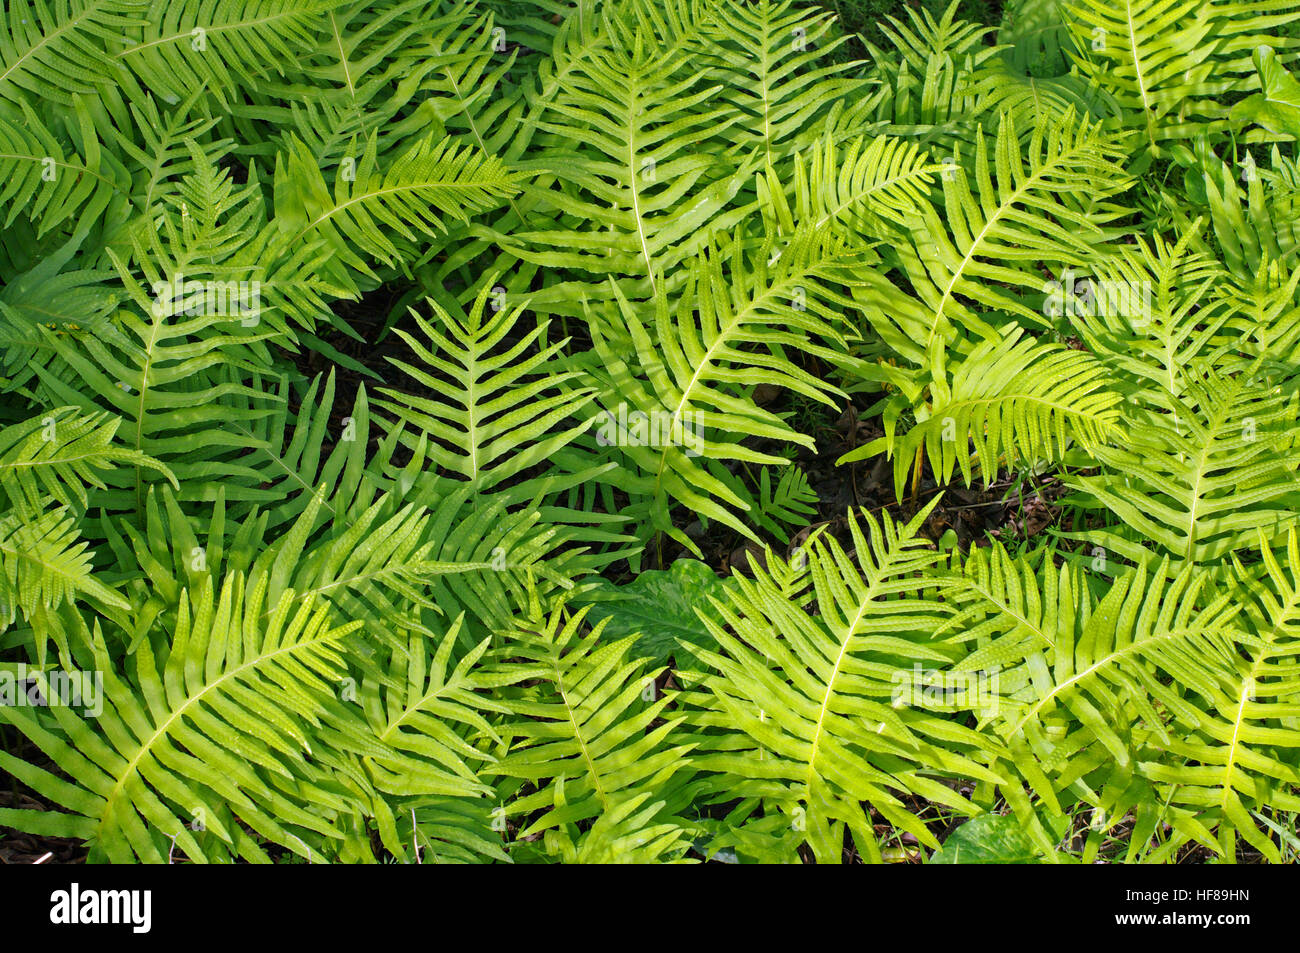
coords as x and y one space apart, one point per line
802 704
584 733
1203 476
1167 65
62 49
352 350
209 736
219 44
1008 399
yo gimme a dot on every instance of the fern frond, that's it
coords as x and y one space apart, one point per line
696 369
494 413
1200 473
636 195
371 209
44 563
60 49
850 187
56 457
214 729
1010 400
588 728
801 709
1169 64
218 44
772 66
433 702
51 184
1010 214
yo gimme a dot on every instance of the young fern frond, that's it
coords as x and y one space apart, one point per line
776 506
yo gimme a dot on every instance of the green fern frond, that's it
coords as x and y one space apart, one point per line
54 184
690 397
1008 213
58 50
1200 473
803 710
587 729
772 64
371 209
218 44
1169 64
56 457
1010 400
492 413
44 563
216 728
434 701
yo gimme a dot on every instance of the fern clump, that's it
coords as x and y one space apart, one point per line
554 431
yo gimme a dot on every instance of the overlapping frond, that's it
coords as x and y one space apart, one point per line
61 49
345 342
589 729
1200 473
372 209
1000 218
220 45
1008 401
688 397
803 710
200 735
1169 64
